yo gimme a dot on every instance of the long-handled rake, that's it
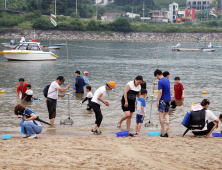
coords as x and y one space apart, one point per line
67 121
149 124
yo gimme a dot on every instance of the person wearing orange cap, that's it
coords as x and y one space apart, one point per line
95 104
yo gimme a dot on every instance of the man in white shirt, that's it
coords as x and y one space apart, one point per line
209 126
53 96
95 104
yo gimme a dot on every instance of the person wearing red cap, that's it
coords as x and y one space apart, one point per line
95 104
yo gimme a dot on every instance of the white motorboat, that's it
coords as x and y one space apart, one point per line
178 47
28 51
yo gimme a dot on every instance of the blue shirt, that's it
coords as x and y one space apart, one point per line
79 84
139 103
86 80
164 84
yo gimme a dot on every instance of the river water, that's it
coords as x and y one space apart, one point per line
106 61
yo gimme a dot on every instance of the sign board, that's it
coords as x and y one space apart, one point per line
185 17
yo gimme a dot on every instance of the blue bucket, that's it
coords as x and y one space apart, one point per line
5 137
217 134
157 133
122 134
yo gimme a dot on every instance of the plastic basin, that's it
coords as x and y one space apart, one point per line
5 137
153 133
122 134
217 134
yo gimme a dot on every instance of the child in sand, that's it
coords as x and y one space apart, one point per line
140 111
89 97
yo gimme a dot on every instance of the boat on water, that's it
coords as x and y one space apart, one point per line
28 51
211 46
178 47
53 46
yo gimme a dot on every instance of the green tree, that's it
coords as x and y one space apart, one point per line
121 24
92 25
42 23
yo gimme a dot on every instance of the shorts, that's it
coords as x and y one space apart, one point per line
131 105
139 118
205 132
51 105
164 106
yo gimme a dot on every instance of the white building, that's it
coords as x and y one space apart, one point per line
101 2
199 4
132 15
172 13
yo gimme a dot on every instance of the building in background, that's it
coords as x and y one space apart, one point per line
219 4
185 16
199 4
172 14
132 15
110 16
159 15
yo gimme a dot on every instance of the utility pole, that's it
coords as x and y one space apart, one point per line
143 11
76 8
5 4
132 11
55 7
96 10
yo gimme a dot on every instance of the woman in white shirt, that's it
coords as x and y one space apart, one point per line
132 90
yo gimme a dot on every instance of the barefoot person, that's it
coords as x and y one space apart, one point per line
209 126
95 104
132 90
53 96
164 99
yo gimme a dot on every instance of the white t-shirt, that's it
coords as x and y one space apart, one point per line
97 92
53 92
29 92
133 92
208 116
89 95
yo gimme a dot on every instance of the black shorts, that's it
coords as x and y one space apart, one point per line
202 133
51 105
131 105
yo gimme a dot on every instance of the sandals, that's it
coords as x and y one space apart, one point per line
118 125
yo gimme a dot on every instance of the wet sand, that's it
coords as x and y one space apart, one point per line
102 152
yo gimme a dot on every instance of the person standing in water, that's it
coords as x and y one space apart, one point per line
85 78
53 96
163 100
79 84
22 87
95 104
132 90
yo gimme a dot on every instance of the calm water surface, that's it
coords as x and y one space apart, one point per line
117 61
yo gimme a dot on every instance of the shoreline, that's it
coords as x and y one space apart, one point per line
108 36
102 152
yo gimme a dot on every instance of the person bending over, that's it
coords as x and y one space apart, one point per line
30 126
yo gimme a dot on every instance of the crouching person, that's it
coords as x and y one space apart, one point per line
29 126
201 125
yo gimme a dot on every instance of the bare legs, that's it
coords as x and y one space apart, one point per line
96 128
128 115
209 134
162 121
138 127
52 121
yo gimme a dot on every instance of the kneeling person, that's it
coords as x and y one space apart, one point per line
95 104
209 127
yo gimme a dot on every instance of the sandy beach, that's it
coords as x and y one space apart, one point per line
101 152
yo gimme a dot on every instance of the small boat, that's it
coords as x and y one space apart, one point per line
28 51
178 47
211 46
54 46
